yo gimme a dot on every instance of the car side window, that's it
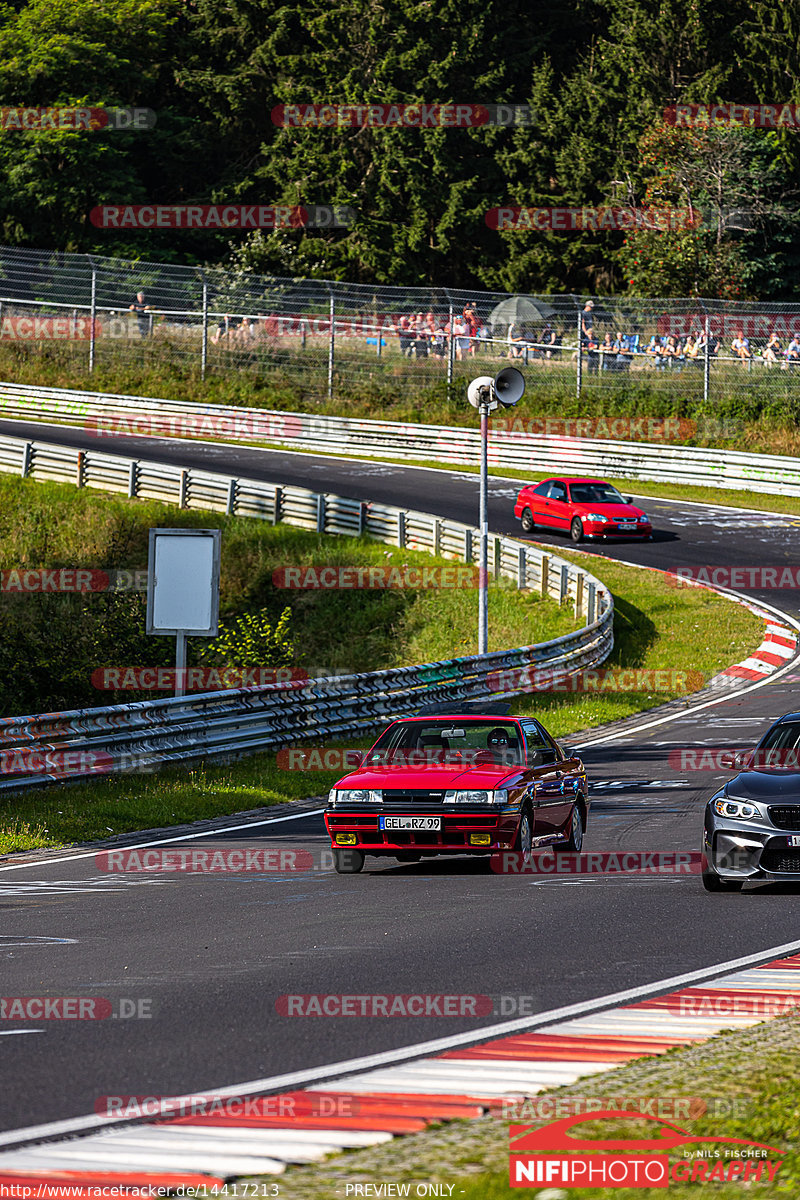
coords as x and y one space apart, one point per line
543 489
539 746
558 491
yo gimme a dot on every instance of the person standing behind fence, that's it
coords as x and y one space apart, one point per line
141 309
471 317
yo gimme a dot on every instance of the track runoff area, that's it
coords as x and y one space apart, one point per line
196 993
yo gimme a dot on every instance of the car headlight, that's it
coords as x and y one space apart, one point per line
596 517
737 809
354 796
466 796
644 519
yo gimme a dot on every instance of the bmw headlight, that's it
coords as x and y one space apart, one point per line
737 809
596 517
466 796
339 796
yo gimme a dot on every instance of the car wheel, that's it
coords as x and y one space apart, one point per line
528 523
576 530
573 845
347 862
713 882
524 839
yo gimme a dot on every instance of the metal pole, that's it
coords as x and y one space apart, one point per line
92 317
706 366
483 576
450 349
180 664
579 372
204 342
331 351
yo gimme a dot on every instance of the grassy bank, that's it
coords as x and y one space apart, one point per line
755 411
656 626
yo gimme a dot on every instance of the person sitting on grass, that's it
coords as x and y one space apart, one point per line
772 350
741 347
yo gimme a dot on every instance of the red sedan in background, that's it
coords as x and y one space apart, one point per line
583 508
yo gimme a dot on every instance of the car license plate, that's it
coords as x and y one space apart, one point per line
628 528
794 839
426 823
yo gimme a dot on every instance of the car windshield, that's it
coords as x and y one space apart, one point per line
595 493
780 748
453 740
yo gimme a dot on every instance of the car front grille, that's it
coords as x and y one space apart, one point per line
401 799
786 861
785 816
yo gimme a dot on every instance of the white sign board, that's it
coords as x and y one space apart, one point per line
183 582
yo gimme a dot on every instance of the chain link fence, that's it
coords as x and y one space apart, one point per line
325 337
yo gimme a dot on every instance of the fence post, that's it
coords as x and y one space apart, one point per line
320 514
522 568
579 360
183 489
277 504
204 340
401 528
80 467
133 476
331 348
706 366
450 350
27 454
545 581
591 607
579 595
92 317
563 590
230 507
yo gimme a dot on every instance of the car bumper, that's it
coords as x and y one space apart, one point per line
741 850
459 833
593 529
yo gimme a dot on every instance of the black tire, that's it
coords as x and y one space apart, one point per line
713 882
527 521
524 839
347 861
573 845
576 529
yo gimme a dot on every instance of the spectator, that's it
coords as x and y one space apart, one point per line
461 335
691 347
587 322
471 317
655 351
548 340
141 309
793 353
516 340
405 336
741 346
439 340
608 353
772 350
483 336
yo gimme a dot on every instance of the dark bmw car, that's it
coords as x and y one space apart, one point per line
752 824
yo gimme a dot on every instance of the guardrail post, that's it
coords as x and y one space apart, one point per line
545 574
183 489
320 514
579 360
133 478
79 468
401 528
27 456
578 595
230 507
437 537
467 545
331 348
498 557
522 568
92 319
563 587
591 607
277 505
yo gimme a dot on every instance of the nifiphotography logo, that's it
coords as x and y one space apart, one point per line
548 1154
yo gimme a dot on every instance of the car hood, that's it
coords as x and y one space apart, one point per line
617 512
434 777
770 785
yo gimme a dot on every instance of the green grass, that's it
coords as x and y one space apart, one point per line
656 626
748 1081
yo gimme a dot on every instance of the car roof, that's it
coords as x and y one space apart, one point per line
460 716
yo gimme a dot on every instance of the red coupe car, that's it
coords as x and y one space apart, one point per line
458 783
583 508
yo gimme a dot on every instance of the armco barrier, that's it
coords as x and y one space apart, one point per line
107 415
154 732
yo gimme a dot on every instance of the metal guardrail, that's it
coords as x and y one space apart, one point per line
155 732
513 449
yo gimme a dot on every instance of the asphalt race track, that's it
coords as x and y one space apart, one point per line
208 955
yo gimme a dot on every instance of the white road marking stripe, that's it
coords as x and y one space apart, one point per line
261 1138
77 1156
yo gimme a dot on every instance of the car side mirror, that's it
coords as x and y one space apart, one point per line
628 499
570 752
736 760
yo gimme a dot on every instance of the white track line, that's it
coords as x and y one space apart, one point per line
403 1054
